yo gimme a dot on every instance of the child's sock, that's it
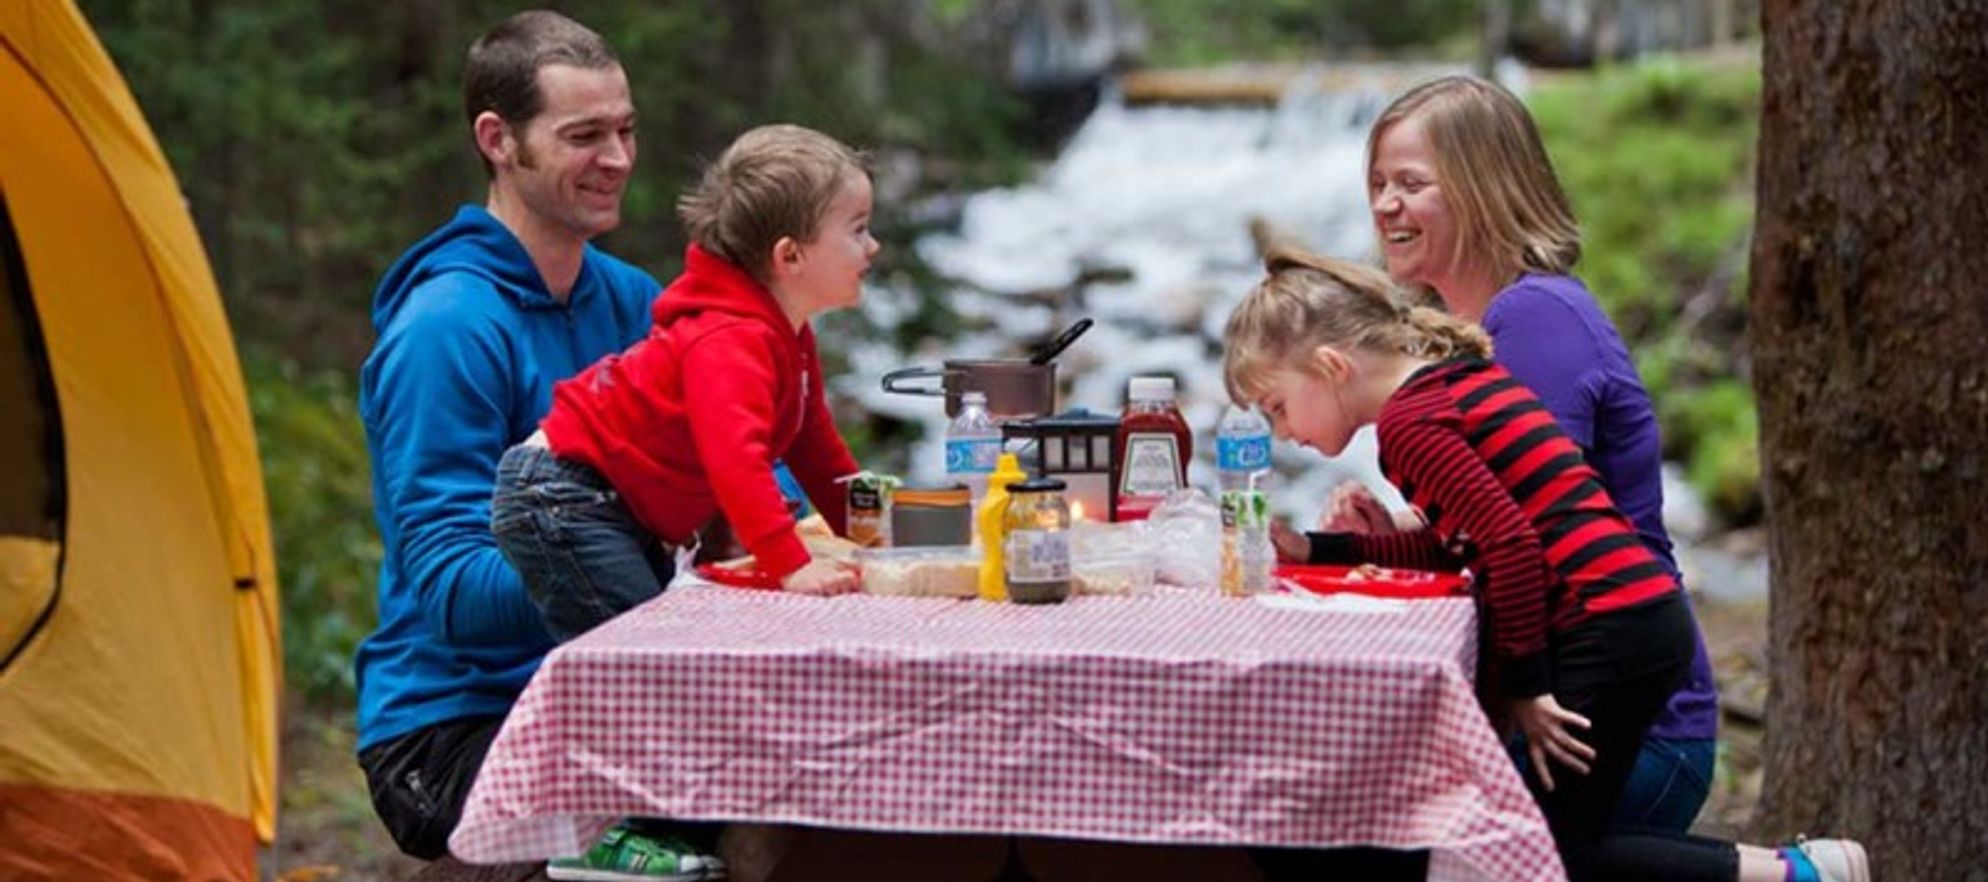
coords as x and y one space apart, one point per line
1800 868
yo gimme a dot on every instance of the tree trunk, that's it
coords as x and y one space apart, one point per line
1870 324
1722 22
1496 39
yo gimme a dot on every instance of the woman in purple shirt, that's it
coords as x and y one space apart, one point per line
1466 203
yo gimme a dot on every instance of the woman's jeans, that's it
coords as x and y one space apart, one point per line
583 557
1669 785
1667 788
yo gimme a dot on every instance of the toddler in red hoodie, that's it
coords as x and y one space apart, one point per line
642 448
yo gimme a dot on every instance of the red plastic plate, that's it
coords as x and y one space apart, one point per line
1375 581
736 577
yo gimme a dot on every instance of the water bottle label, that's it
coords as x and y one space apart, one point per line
972 455
1248 454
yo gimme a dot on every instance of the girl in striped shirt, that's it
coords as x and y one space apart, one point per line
1588 631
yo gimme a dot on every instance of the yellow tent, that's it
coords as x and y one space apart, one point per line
139 661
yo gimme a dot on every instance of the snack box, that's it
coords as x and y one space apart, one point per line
1372 580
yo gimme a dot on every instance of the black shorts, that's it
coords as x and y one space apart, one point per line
420 780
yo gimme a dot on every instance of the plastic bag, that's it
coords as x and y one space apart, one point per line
1111 558
1186 535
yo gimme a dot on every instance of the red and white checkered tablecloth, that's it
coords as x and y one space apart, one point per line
1166 718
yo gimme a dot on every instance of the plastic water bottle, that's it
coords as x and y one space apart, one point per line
973 445
1242 448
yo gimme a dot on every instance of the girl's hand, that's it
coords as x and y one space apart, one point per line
1292 546
821 578
1353 509
1545 723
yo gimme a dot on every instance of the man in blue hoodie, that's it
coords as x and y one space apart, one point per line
476 322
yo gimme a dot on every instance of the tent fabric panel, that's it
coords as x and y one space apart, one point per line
27 584
29 501
134 684
58 834
58 45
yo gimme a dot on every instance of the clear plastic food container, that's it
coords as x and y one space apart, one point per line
1112 574
921 571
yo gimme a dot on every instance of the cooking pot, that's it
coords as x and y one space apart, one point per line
1016 388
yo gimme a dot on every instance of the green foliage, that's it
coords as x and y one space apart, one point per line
1722 428
315 140
1657 158
320 500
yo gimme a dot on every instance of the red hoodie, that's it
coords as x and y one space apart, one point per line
689 421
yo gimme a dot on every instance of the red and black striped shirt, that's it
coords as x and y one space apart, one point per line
1508 495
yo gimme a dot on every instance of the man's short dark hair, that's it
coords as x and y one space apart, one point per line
502 73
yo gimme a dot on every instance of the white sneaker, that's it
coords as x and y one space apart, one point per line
1836 860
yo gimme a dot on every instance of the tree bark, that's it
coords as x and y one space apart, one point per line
1870 324
1496 38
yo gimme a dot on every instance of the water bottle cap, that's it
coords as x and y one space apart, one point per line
973 396
1151 389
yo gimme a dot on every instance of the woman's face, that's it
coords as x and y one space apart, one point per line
1417 230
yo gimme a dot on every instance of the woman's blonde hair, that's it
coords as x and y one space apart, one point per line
774 182
1309 301
1494 170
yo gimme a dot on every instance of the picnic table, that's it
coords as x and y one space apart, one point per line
1175 717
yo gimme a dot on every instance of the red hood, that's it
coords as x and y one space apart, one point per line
710 283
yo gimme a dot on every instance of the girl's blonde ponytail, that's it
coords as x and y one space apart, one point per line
1445 336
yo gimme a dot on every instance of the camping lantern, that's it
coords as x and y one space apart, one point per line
1076 446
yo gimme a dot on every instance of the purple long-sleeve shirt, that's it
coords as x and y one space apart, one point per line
1549 332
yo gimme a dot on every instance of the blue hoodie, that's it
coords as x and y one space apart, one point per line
470 343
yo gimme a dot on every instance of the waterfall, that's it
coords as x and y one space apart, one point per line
1166 193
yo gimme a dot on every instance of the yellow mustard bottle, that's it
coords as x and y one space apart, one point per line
992 523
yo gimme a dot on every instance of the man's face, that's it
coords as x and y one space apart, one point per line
571 162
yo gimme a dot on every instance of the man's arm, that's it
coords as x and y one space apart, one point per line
440 418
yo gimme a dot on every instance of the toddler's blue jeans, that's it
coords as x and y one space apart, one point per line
583 557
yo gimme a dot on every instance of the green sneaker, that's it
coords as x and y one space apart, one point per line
623 855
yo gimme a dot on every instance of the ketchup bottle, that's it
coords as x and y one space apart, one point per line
1154 446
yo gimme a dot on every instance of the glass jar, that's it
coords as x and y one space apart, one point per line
931 516
1037 548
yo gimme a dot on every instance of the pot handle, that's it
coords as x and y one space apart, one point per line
894 379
